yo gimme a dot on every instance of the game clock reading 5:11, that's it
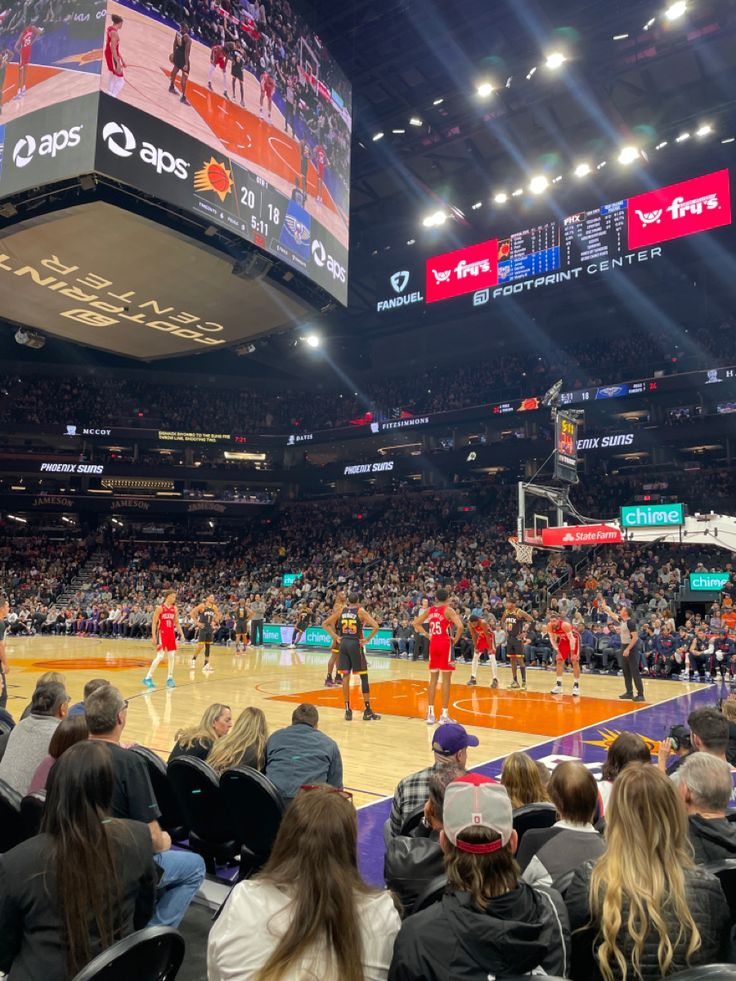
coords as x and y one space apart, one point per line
566 437
263 206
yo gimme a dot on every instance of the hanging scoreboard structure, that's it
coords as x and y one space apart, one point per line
566 447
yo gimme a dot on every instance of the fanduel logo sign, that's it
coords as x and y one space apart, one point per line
466 270
48 145
399 281
680 209
121 142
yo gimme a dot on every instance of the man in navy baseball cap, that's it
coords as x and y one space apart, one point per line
450 744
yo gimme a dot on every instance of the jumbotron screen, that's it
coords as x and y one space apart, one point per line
239 114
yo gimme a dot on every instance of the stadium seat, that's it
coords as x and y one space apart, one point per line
153 954
31 812
412 821
257 808
726 872
706 972
210 824
533 816
432 894
172 819
11 823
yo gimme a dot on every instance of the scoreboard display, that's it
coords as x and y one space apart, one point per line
586 243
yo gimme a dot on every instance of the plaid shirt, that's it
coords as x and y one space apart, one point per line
411 793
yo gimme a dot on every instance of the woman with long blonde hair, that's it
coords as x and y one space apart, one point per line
308 914
198 740
652 911
245 744
521 778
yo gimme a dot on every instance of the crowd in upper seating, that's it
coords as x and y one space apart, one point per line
610 878
197 407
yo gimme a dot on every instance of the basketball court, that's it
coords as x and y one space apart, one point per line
376 755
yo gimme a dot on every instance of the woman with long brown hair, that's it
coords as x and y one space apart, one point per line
520 776
198 740
85 882
244 745
308 914
652 912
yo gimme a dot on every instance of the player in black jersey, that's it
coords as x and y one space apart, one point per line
513 623
303 620
179 58
207 615
345 626
335 648
240 616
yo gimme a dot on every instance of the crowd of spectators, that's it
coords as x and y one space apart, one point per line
223 408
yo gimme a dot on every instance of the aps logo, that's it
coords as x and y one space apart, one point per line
28 147
121 142
322 259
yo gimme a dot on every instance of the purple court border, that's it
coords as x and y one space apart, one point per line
654 722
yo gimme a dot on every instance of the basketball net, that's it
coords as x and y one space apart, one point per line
524 551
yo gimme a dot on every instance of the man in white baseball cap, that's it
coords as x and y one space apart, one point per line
489 922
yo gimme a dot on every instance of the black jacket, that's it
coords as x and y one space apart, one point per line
409 867
707 906
518 932
31 942
713 839
198 749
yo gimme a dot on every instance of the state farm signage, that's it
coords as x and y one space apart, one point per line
581 535
680 209
462 271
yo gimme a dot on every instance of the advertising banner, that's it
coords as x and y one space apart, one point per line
680 209
652 515
282 633
581 535
462 271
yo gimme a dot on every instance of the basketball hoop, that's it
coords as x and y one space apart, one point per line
524 551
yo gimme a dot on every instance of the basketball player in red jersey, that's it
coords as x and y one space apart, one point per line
513 623
23 48
268 87
165 624
566 643
440 618
320 156
218 59
113 58
483 640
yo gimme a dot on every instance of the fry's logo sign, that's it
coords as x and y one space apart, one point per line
463 271
680 209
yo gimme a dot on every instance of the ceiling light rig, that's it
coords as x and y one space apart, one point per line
484 89
676 10
555 60
582 170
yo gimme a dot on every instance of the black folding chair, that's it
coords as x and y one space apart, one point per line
172 819
256 808
153 954
210 824
707 972
31 813
533 816
726 874
11 823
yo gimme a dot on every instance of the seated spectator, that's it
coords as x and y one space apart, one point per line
410 864
133 799
78 707
490 922
728 707
82 884
308 913
244 745
521 779
28 743
7 719
544 774
47 678
198 740
450 747
71 730
627 747
651 909
301 754
705 786
546 854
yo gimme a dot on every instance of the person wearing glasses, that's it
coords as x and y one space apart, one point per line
308 913
181 873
